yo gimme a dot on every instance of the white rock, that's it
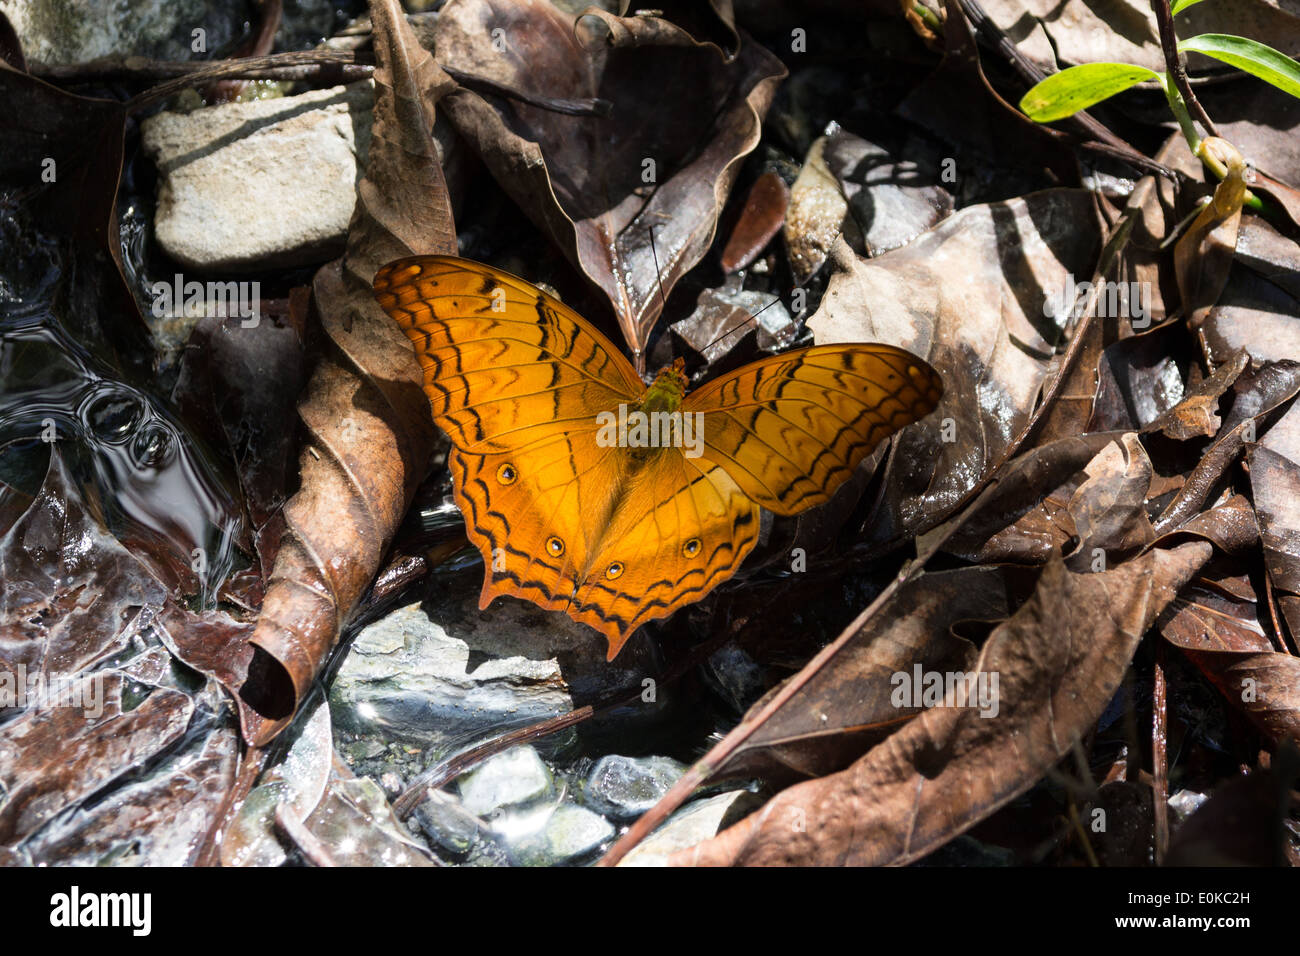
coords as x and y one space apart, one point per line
515 778
690 825
571 832
259 185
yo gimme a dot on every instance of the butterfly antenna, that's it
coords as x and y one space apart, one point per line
658 272
740 324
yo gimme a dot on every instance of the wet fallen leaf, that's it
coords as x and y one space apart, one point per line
977 297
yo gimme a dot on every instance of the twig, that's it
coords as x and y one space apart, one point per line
1174 63
330 64
334 66
1160 756
1085 124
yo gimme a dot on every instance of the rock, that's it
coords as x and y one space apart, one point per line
1184 803
815 216
449 826
61 32
446 673
692 824
570 833
516 778
259 185
737 677
724 316
626 787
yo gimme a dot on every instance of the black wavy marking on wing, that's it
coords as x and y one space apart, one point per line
805 491
474 525
558 338
737 544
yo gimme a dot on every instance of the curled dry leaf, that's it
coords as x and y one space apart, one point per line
979 297
369 433
1058 660
760 219
664 160
1204 254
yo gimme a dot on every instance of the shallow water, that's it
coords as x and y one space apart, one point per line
62 385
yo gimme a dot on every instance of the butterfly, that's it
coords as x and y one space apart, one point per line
590 493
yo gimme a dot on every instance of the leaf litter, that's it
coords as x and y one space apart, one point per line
1109 483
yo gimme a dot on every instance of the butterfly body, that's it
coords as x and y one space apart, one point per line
590 493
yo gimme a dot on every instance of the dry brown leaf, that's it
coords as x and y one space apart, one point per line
1060 659
369 433
664 159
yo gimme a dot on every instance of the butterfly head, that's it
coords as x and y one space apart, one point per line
667 390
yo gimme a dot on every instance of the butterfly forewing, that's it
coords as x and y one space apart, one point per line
792 428
500 358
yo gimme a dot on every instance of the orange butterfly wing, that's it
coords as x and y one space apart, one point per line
792 428
611 537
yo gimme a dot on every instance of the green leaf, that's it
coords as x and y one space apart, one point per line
1181 5
1065 93
1251 56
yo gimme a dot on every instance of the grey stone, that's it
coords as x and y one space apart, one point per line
449 825
465 674
262 184
570 833
60 32
690 825
626 787
515 778
737 676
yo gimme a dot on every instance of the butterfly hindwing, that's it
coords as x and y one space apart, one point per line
682 527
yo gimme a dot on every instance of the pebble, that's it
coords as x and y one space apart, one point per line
569 834
626 787
516 778
692 824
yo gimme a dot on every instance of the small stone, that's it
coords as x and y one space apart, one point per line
626 787
515 778
449 825
58 32
1184 803
692 824
572 832
738 677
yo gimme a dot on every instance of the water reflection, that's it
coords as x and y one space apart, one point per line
158 489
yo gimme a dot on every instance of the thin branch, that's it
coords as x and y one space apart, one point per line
1085 124
1174 64
332 66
